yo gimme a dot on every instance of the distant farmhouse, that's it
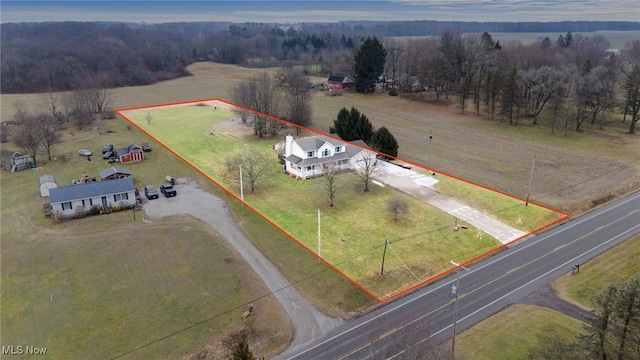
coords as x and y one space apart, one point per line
311 156
81 199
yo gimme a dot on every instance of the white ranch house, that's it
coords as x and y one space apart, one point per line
311 156
73 200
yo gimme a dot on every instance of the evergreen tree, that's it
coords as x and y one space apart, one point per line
242 352
352 125
626 314
369 65
383 141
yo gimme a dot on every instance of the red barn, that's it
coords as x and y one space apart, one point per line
339 82
132 153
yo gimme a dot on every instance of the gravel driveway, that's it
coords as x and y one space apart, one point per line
307 322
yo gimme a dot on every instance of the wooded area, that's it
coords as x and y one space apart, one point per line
575 78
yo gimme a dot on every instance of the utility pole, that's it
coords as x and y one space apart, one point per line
429 149
384 253
241 188
319 255
533 166
455 290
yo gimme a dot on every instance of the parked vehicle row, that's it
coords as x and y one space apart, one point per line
151 193
109 153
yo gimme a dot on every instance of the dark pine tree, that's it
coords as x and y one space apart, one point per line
369 65
383 141
352 125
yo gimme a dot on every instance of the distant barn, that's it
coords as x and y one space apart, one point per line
132 153
339 82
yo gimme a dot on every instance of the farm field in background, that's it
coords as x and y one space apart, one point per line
617 39
354 231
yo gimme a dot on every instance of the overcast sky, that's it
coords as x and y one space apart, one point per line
293 11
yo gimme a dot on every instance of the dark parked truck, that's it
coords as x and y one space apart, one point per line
168 190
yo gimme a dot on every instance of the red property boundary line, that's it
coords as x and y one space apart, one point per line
361 287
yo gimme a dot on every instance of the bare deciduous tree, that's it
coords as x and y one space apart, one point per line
366 168
77 108
47 128
259 93
52 102
331 184
397 206
26 133
298 97
255 166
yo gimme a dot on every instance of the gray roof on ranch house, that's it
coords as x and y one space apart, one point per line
46 178
113 170
91 190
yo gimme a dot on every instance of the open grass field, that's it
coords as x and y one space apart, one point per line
613 267
513 333
571 171
354 231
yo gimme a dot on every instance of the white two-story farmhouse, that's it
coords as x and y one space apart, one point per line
311 156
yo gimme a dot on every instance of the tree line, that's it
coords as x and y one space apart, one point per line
572 80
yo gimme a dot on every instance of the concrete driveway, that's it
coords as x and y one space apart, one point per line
420 186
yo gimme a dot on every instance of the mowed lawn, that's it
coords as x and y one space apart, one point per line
354 231
512 333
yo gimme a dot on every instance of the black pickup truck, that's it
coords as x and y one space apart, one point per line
168 190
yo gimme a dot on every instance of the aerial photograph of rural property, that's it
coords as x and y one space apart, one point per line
320 179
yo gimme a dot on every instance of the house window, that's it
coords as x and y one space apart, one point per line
309 168
342 162
338 149
118 197
310 154
325 153
67 206
84 202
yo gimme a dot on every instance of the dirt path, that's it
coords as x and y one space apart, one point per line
306 321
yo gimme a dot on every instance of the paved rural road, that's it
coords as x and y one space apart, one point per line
308 324
485 288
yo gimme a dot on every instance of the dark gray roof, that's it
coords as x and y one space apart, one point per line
314 160
339 78
313 143
126 150
113 170
46 178
90 190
